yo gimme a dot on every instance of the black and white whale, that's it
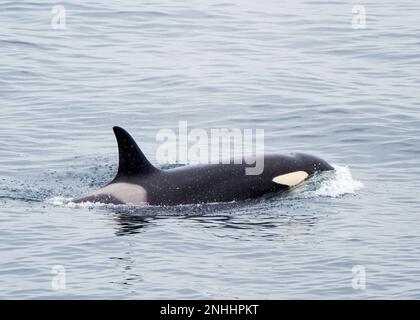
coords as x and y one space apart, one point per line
139 182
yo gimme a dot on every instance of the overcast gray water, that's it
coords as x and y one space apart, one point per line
297 69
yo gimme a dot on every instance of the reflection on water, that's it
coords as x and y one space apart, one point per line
129 224
132 220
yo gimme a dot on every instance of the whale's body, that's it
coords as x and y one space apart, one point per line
139 182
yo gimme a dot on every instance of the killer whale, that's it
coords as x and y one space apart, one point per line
139 182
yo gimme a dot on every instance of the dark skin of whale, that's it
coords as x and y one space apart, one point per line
191 184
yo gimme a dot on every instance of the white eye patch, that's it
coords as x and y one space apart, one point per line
291 179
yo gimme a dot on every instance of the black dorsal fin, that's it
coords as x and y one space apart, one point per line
131 160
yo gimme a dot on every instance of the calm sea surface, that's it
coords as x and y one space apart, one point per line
297 69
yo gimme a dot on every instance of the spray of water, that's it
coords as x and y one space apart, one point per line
333 184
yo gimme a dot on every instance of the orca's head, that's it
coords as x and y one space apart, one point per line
291 170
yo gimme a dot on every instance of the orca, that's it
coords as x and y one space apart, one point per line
138 182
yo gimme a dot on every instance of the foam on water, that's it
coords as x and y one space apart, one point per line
340 184
68 202
333 184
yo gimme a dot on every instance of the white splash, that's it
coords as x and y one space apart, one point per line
68 202
59 201
342 183
332 184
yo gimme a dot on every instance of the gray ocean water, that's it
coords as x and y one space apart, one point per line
297 69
